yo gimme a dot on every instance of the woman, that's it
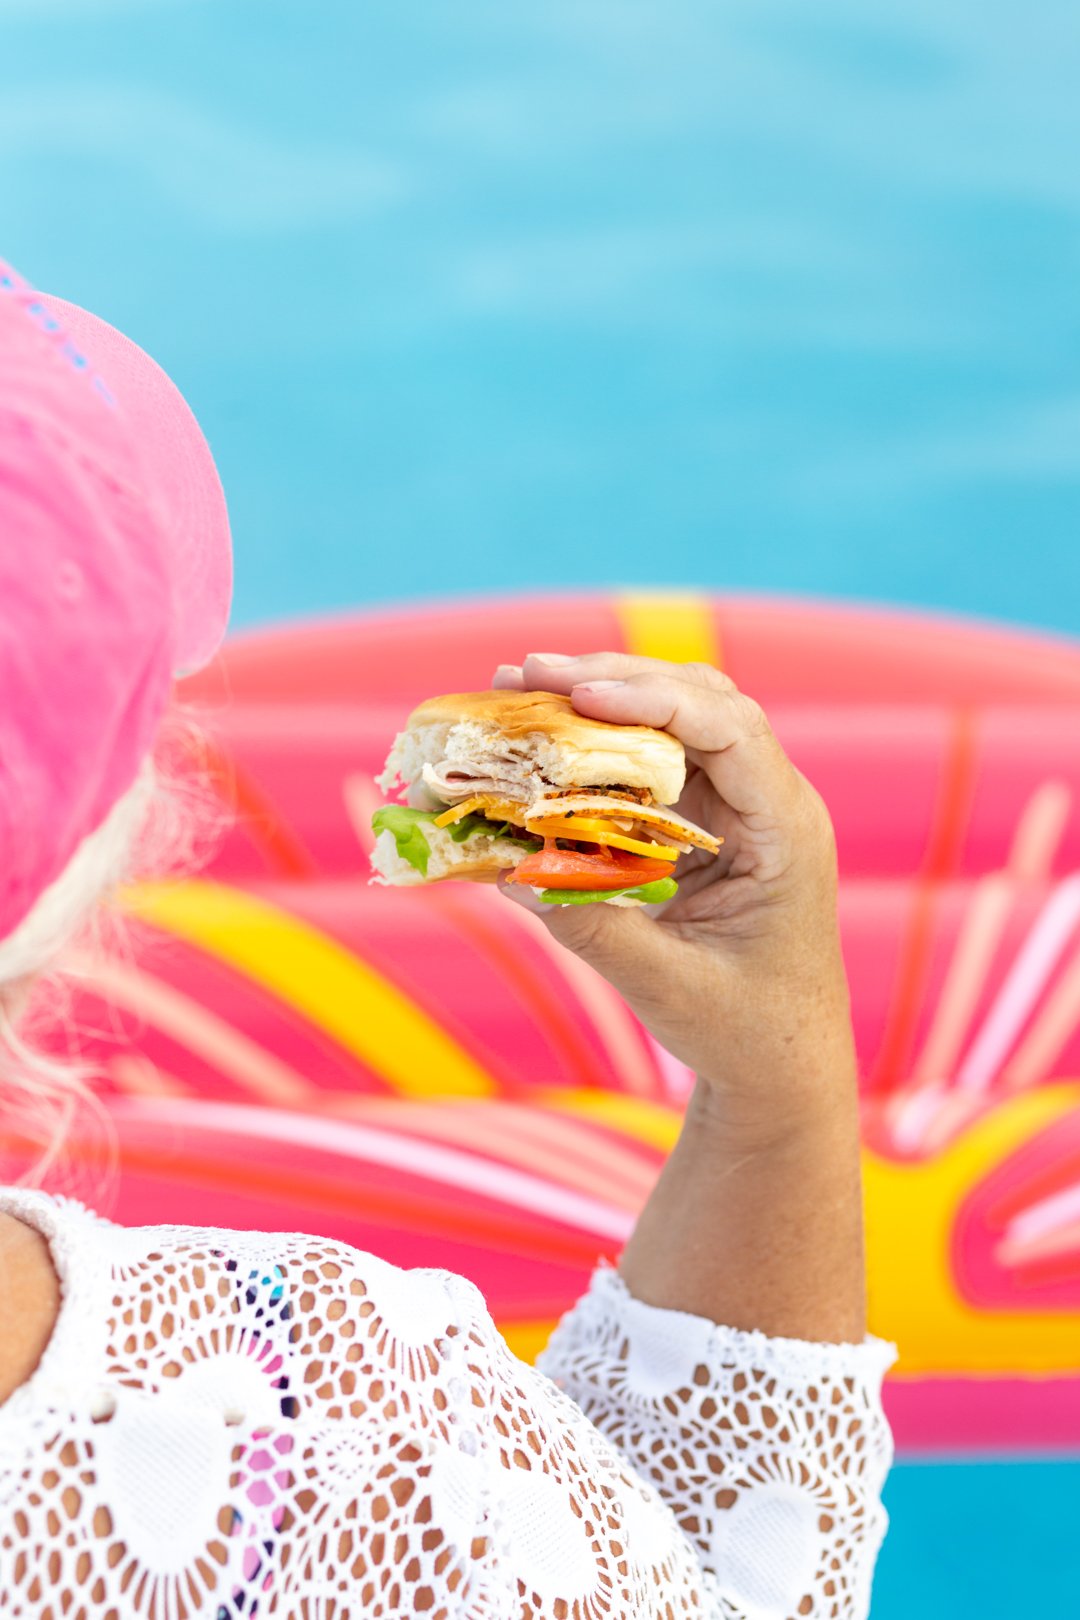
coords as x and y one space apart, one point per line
198 1422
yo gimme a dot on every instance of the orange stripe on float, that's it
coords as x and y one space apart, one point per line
954 801
310 972
942 853
257 817
679 626
908 992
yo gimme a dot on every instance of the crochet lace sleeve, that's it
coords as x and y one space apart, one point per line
771 1453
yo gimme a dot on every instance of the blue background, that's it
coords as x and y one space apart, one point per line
483 295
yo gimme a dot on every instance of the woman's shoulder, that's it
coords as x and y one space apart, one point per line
144 1305
29 1301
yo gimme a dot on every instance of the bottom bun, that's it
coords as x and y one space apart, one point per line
478 859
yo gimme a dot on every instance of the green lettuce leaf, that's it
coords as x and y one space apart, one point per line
460 830
407 827
468 825
650 893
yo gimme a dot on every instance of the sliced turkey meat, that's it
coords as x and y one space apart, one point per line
680 831
452 782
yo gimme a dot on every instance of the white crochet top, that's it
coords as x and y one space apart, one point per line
238 1425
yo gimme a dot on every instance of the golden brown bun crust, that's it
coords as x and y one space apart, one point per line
520 714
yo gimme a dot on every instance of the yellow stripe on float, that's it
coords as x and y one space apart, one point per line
912 1210
527 1339
312 973
656 1124
678 626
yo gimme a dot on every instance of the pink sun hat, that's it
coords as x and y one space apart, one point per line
115 575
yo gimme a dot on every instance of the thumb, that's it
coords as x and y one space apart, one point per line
619 942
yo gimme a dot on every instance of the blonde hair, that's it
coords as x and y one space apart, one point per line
168 823
97 866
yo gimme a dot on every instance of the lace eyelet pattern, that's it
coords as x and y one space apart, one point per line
770 1453
230 1425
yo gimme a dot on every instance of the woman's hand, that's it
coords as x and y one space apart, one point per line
740 975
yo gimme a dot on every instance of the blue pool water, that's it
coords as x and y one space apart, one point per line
988 1542
739 293
484 295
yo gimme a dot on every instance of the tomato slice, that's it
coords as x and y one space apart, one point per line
552 868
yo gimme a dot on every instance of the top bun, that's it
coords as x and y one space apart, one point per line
568 748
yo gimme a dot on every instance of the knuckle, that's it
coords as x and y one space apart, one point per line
752 718
712 681
707 675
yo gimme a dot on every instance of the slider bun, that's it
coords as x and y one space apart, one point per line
478 858
568 748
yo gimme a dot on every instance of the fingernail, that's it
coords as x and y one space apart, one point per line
553 658
508 669
598 686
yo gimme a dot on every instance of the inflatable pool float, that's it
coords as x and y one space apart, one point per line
427 1075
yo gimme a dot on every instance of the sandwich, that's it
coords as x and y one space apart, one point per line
520 783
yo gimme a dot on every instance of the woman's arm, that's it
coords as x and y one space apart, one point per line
757 1222
756 1219
766 1237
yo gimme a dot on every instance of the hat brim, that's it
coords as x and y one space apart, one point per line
181 480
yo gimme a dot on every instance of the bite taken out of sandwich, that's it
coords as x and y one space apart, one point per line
520 783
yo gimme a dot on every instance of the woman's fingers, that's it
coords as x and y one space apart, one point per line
721 729
508 678
621 944
726 731
706 718
559 672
